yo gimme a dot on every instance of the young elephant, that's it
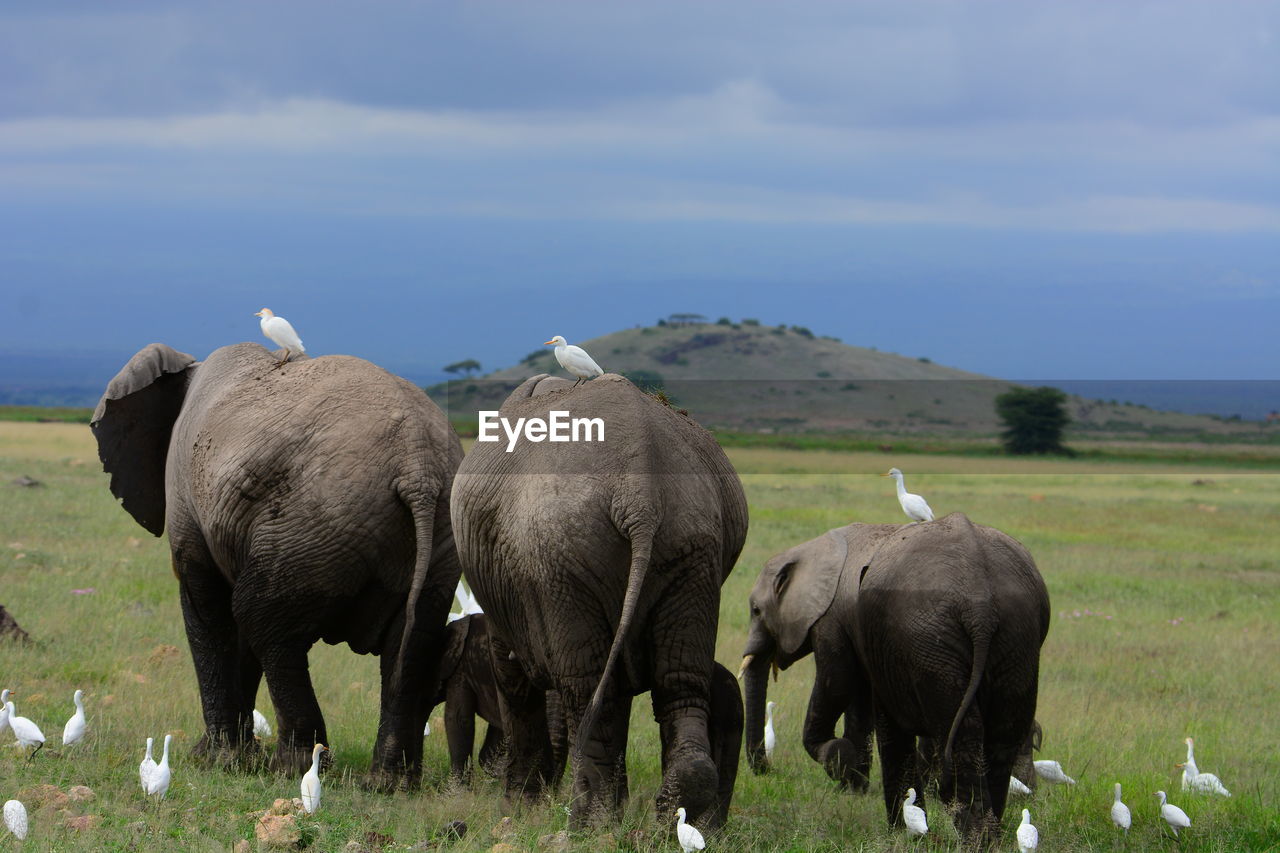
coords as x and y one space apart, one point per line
928 630
468 690
599 564
303 501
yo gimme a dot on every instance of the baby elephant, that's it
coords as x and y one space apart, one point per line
468 689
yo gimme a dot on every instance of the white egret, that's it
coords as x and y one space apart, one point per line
426 730
1016 786
1194 780
467 600
688 835
1051 771
4 709
146 768
913 505
161 775
280 332
1028 835
15 818
770 738
1120 813
73 731
261 728
1172 815
311 782
574 359
913 815
27 732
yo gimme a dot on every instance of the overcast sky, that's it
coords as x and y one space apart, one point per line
1056 189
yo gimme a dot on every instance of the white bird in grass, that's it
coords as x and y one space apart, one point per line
73 731
161 775
261 728
1194 780
1120 813
15 818
688 835
1028 835
146 768
913 815
1051 771
27 732
1172 815
280 332
574 359
1016 786
770 737
4 709
311 782
913 505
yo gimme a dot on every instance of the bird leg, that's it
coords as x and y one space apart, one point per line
39 746
282 361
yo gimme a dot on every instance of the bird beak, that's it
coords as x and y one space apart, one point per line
257 313
544 343
746 662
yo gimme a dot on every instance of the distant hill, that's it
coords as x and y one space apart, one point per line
786 379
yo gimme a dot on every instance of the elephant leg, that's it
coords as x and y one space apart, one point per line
250 681
299 723
838 691
460 729
216 652
725 731
600 785
963 783
897 748
493 749
406 701
558 731
524 720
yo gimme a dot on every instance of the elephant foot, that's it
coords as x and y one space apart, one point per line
218 749
690 783
290 760
380 781
842 761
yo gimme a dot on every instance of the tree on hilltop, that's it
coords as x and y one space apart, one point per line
1034 420
465 367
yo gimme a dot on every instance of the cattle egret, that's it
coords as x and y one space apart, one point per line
1017 787
913 815
574 359
280 332
311 782
146 768
913 505
73 731
15 818
1194 780
1120 813
160 777
1028 835
4 709
27 732
1051 771
426 730
467 600
1172 815
689 837
261 728
770 738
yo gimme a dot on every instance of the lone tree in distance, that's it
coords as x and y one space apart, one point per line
1034 419
466 367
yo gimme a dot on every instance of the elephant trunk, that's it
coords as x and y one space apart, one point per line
755 674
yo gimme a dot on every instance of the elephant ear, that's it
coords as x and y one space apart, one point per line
133 423
804 586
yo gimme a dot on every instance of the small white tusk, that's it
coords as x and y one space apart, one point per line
746 662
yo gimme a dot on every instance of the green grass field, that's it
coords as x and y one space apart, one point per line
1165 591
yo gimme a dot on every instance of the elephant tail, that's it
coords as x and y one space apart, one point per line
423 510
641 547
981 637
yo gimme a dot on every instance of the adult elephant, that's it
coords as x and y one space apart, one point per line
302 503
599 565
925 630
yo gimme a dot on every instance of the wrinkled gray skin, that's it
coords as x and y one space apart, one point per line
929 631
469 689
302 503
599 566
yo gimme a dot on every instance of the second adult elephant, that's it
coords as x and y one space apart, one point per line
929 631
599 565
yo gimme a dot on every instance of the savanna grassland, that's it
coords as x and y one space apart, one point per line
1165 588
